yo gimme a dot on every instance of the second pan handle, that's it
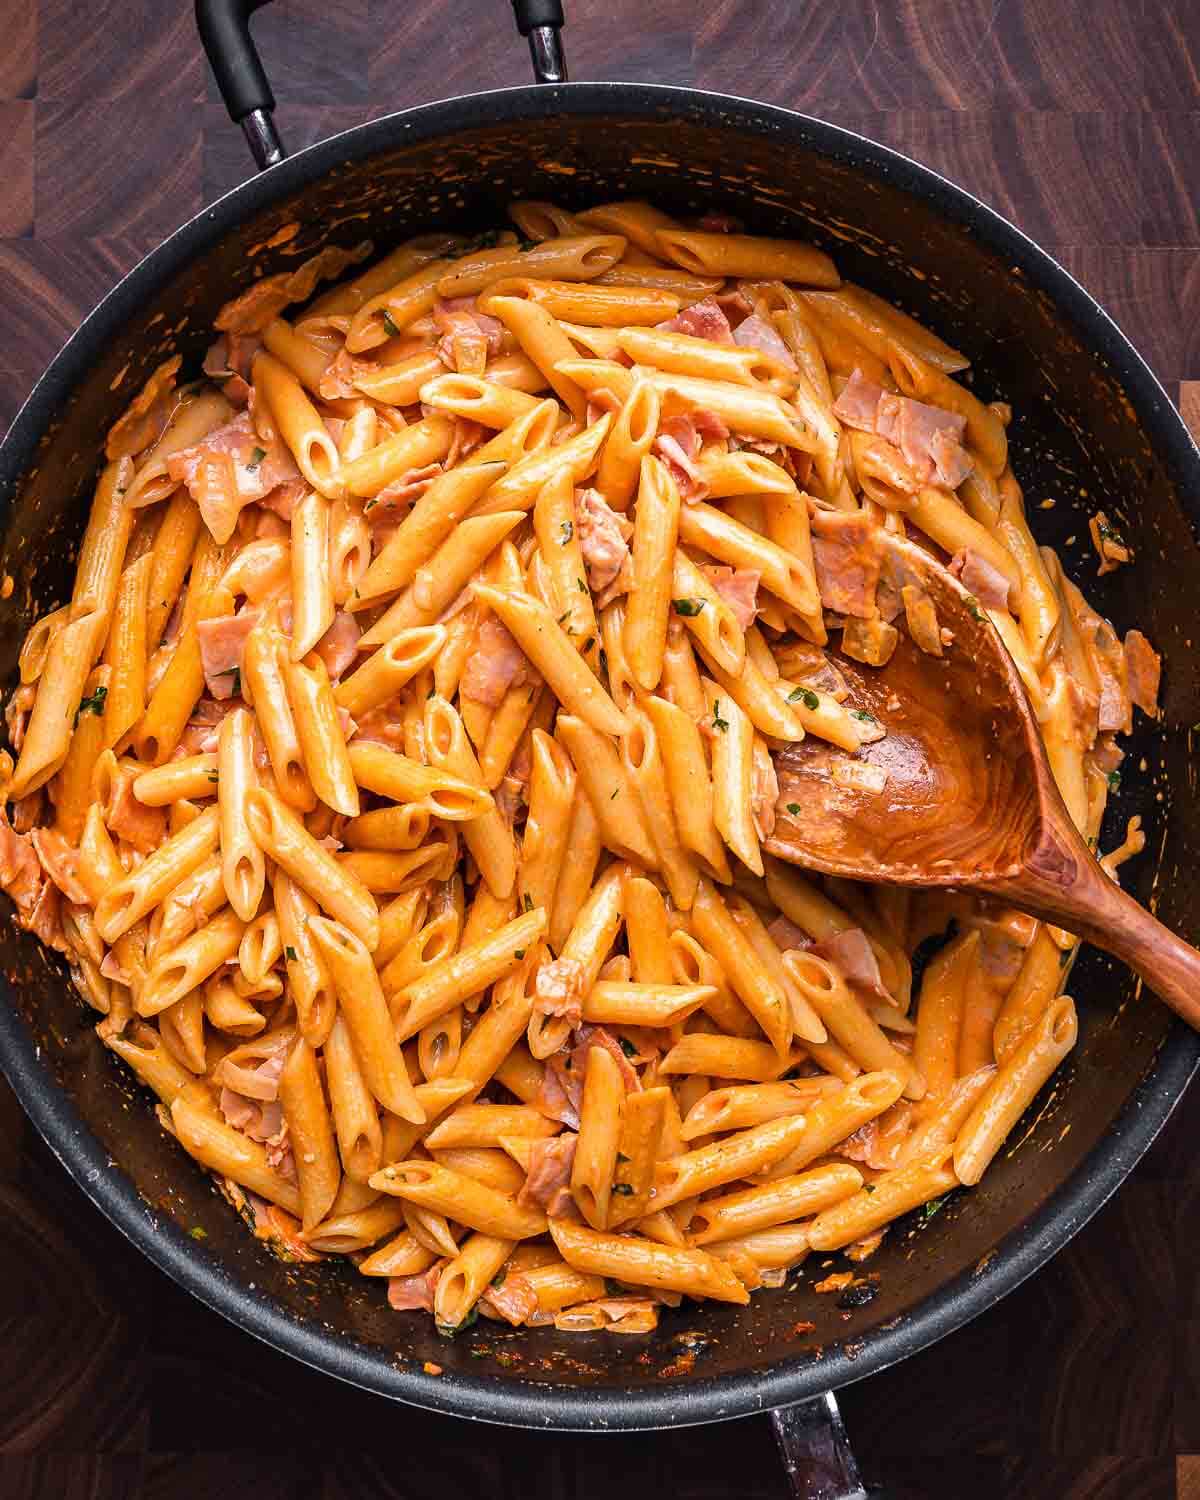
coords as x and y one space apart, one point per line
224 27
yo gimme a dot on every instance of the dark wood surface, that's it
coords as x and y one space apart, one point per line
1080 119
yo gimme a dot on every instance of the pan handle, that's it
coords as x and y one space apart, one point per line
224 27
816 1452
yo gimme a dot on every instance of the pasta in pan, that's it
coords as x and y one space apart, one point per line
400 779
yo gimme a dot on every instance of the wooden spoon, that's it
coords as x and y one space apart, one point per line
970 800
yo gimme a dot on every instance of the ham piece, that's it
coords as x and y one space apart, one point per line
230 469
855 959
703 320
222 648
848 556
756 333
604 541
929 438
1145 669
739 589
414 1293
558 989
496 664
980 578
547 1180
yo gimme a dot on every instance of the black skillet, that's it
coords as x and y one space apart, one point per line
1093 427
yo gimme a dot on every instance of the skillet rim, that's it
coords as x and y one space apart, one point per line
701 1400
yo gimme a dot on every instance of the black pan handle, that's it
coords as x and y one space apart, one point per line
541 21
224 27
816 1452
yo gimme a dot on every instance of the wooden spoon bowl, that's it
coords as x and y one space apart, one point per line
970 801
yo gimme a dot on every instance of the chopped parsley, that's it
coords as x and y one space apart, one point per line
565 614
806 696
861 713
794 809
624 1188
717 721
568 531
525 246
932 1208
389 323
527 901
582 585
1114 781
431 693
688 608
450 1331
213 777
604 661
615 790
197 1233
520 953
621 1158
627 1046
256 457
973 608
498 1278
588 644
868 1187
236 674
290 954
93 704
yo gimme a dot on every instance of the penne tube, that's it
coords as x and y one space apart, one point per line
355 1113
732 1157
175 972
567 257
619 1004
655 532
706 615
264 665
642 761
549 649
403 1256
447 573
322 743
389 828
892 1194
741 1105
749 977
940 1013
938 515
559 545
614 799
1012 1089
390 309
750 255
469 1202
361 1001
139 892
599 1133
778 1202
126 652
484 1124
707 1054
312 588
388 774
521 485
644 1263
922 381
682 354
427 525
544 845
710 530
628 444
389 669
310 1130
467 1277
192 778
457 977
578 871
542 339
488 836
424 442
348 1233
229 1153
243 868
848 1020
281 835
831 1119
732 751
299 423
480 399
689 783
592 305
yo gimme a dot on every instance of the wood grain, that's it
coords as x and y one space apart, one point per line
1080 120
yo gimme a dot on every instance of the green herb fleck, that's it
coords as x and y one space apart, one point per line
487 240
1064 958
627 1047
563 616
1114 781
389 323
621 1158
582 585
973 608
256 457
588 644
498 1278
932 1208
604 665
717 721
526 245
236 674
794 809
449 1331
568 531
527 901
688 608
624 1188
615 790
861 713
520 953
197 1233
806 696
92 705
290 954
868 1187
213 777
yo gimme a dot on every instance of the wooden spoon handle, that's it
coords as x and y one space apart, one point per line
1170 967
1081 897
